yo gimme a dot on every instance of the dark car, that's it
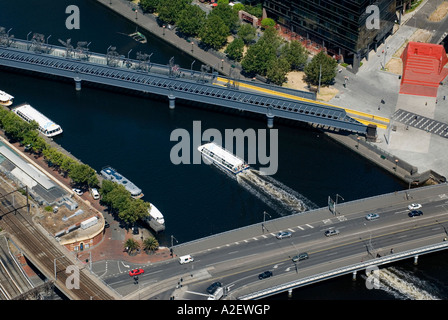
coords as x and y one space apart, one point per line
215 285
265 275
415 213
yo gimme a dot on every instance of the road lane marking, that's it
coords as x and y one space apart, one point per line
310 226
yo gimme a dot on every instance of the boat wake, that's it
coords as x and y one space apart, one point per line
404 285
278 196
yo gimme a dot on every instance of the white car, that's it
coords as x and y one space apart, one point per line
372 216
414 206
283 234
79 192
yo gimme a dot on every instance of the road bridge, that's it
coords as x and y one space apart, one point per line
173 82
237 257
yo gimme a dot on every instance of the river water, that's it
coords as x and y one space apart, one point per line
103 127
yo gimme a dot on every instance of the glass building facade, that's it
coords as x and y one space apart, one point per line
342 26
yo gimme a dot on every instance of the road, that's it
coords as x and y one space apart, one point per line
237 264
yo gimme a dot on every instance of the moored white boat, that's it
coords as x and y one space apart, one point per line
5 99
111 174
46 126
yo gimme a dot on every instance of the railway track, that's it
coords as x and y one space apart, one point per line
45 255
12 283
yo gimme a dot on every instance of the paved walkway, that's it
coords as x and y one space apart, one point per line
149 23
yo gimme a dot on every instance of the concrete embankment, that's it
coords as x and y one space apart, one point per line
392 164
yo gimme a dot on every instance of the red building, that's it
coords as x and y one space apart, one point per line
423 68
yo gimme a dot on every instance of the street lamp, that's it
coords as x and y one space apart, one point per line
264 220
171 249
336 202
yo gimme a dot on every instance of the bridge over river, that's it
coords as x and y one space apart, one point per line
203 87
236 258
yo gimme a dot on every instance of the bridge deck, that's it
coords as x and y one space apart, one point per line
175 83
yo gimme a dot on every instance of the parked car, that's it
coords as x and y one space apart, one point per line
215 285
95 194
79 192
415 213
265 275
136 272
331 232
372 216
283 234
300 257
414 206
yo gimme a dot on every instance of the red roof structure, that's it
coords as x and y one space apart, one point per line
423 68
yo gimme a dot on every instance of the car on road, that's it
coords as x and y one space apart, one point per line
215 285
283 234
415 213
265 275
300 257
414 206
331 232
136 272
372 216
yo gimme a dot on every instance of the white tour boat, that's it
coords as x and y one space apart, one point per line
46 126
223 158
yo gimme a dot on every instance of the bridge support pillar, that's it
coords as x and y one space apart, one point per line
415 260
77 84
172 102
270 121
354 275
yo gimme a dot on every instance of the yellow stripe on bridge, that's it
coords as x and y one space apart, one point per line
380 122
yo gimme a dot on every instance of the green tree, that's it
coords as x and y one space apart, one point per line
214 33
296 54
191 20
149 5
277 71
322 66
227 14
260 55
131 245
150 244
267 22
82 174
247 33
235 49
169 10
135 210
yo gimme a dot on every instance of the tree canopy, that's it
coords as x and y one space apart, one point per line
321 65
190 21
214 32
119 200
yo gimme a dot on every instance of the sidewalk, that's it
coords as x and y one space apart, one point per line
149 23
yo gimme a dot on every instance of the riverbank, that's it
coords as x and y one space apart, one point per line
190 46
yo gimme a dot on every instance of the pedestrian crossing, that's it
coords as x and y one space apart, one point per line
420 122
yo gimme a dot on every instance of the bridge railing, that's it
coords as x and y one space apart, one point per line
345 270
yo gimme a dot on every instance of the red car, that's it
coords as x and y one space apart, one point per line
136 272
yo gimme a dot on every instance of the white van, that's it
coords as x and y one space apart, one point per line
95 194
185 259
